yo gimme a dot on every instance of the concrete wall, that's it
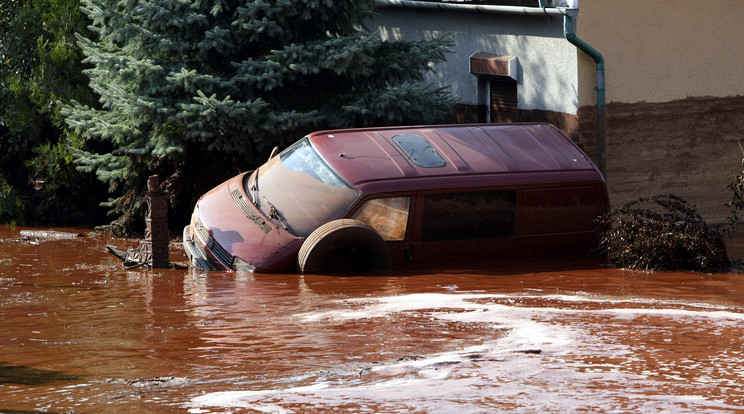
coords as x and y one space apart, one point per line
548 77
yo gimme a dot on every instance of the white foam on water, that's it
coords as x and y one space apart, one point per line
526 367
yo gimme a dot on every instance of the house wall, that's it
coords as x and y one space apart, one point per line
547 78
661 51
674 91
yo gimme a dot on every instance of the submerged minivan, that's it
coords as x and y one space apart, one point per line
380 198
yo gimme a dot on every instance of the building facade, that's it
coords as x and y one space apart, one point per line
662 111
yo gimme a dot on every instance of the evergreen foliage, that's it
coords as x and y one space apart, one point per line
41 65
196 91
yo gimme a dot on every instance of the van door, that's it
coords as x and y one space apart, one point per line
465 225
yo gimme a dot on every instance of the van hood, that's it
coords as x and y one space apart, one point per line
242 231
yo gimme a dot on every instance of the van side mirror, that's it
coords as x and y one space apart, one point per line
274 152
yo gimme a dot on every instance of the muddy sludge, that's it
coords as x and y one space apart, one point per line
525 340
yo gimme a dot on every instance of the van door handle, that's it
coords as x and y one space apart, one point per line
408 253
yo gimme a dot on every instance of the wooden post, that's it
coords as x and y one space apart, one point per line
156 224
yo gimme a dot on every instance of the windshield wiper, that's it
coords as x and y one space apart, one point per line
254 187
275 215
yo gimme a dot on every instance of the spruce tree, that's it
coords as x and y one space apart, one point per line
198 90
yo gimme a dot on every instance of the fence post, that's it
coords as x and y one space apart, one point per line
156 223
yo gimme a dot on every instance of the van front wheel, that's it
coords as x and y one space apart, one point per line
344 245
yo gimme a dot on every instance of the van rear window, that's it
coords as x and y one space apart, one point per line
561 210
473 215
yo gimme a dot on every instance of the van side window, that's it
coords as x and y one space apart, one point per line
560 210
389 216
474 215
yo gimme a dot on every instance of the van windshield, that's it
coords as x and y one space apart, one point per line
297 190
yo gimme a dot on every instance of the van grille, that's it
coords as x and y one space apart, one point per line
215 248
249 212
201 250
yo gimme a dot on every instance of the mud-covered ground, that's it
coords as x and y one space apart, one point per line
81 334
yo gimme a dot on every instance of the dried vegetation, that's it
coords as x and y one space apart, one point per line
662 232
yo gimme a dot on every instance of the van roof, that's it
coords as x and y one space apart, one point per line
374 154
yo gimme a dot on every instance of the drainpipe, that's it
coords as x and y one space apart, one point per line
569 30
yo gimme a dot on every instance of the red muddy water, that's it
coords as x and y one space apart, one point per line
81 334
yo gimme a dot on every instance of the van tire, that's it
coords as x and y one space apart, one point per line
330 241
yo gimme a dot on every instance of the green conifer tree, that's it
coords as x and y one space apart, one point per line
198 90
41 65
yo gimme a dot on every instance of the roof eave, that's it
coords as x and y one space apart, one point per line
489 8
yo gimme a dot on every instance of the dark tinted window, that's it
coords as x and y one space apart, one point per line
561 210
474 215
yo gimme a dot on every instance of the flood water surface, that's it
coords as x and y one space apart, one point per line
81 334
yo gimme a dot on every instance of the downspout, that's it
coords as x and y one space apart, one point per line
569 30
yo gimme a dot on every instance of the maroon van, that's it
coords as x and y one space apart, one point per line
376 198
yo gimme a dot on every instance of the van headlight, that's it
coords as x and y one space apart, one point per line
195 215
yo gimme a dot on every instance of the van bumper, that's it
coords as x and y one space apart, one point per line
197 257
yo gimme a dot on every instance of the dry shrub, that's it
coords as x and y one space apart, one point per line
737 196
662 232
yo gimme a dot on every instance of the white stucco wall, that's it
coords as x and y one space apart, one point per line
547 78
